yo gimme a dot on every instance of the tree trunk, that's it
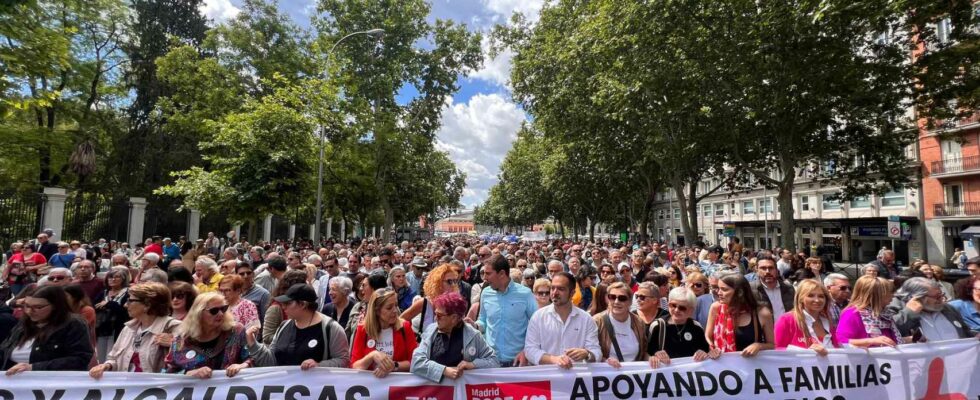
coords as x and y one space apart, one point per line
787 225
690 232
592 230
692 211
389 218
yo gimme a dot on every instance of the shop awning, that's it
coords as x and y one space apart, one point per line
970 232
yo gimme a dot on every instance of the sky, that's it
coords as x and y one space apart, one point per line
480 122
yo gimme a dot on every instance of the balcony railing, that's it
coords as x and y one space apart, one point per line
956 164
957 209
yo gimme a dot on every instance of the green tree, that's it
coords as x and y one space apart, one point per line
373 73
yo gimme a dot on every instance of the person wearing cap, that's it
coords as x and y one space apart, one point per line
449 346
417 274
308 338
710 264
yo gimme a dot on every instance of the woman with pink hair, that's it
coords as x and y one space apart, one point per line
450 346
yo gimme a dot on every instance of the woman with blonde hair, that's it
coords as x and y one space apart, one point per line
209 339
442 279
808 325
936 273
697 283
542 292
866 322
384 343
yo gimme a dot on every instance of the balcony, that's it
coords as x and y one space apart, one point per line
967 209
956 166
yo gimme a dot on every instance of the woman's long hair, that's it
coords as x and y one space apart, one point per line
599 302
191 327
743 300
806 287
372 318
60 315
432 287
871 293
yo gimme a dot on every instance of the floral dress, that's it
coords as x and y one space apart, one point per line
228 348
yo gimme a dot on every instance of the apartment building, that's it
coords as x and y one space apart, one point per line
851 231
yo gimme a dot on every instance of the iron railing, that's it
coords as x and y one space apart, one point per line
956 164
91 216
20 216
957 209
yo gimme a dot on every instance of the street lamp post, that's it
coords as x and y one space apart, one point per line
319 175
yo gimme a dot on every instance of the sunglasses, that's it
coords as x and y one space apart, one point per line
677 307
641 297
451 282
845 288
542 294
216 310
180 296
57 278
622 298
245 273
697 285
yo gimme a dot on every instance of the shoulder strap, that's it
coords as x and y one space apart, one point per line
612 337
661 331
326 334
755 325
425 304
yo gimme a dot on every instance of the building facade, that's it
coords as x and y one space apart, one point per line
460 223
848 231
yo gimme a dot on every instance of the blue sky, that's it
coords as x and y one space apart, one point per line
480 122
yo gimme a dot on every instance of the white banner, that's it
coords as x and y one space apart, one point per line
941 371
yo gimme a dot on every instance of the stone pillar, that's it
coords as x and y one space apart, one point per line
137 217
267 228
312 230
53 215
238 231
343 230
374 231
193 225
292 231
329 227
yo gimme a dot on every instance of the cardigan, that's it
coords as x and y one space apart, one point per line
151 355
475 350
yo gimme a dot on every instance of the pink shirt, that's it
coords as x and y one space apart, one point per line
245 312
787 333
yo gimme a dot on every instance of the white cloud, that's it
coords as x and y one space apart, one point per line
219 10
505 8
494 70
477 136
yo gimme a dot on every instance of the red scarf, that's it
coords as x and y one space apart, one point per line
724 332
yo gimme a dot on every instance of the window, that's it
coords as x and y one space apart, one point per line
861 202
830 203
719 210
706 210
805 203
748 207
943 30
660 214
677 213
893 199
766 205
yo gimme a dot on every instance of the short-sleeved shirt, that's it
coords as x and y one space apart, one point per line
969 312
308 345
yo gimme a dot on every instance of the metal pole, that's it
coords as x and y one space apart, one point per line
319 176
765 201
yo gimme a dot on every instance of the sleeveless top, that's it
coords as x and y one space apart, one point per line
751 333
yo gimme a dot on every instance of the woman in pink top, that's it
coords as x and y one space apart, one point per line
865 322
808 325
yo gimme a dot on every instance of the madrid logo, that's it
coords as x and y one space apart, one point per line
934 381
536 390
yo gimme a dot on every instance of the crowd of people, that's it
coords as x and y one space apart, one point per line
438 308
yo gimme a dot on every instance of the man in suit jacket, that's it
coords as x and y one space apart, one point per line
771 289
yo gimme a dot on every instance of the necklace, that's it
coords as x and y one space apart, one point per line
680 331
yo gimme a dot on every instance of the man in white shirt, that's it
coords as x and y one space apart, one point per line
770 289
561 333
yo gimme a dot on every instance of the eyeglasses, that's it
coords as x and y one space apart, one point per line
216 310
451 282
677 307
36 307
245 273
57 278
542 294
845 288
605 273
622 298
697 285
641 297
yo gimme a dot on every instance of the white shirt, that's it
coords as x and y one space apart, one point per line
628 343
936 327
776 301
22 353
547 334
386 344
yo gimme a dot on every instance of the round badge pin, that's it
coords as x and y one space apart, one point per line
688 336
957 323
191 354
472 351
312 343
371 343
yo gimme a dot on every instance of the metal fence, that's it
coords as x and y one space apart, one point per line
214 222
20 216
163 219
91 216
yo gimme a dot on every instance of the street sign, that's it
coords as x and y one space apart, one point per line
729 230
894 227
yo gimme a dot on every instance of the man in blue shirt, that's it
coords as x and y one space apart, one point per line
171 251
505 309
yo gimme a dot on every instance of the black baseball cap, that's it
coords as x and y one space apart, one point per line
298 292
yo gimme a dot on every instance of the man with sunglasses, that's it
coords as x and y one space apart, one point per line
562 334
57 277
252 292
840 294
